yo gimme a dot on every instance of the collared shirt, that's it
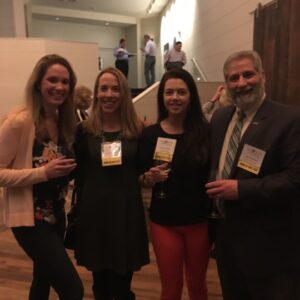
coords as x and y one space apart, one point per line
121 53
175 56
249 115
149 49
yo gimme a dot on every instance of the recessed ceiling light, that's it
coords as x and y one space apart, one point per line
57 18
107 23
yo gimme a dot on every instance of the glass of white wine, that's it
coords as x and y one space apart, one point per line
214 211
165 168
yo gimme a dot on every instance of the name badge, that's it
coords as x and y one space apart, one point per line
164 149
1 192
251 159
111 153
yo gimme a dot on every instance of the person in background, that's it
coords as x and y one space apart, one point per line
83 100
178 224
149 67
122 56
221 98
112 237
175 58
256 150
34 167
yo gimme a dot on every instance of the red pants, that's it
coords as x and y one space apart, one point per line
177 247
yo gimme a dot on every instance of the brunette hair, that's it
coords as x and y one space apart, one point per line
195 124
34 103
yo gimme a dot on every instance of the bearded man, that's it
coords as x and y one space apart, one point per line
255 149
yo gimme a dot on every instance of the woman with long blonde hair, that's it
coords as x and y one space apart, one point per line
34 168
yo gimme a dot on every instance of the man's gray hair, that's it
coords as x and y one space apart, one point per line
250 54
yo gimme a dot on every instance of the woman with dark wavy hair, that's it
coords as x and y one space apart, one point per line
178 210
34 167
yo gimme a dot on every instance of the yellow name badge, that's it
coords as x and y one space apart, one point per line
1 192
111 153
251 159
164 149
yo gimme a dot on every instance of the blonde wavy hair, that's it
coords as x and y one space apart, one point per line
131 124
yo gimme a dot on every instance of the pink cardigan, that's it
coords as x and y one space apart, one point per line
16 172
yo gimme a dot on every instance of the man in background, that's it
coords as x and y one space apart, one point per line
149 67
121 54
255 149
175 58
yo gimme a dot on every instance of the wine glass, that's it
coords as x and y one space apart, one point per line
66 151
214 210
161 193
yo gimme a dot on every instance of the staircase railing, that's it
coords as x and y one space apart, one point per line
201 76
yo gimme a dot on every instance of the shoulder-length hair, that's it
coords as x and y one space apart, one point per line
34 103
195 124
131 124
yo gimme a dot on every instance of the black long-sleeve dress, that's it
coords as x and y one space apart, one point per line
111 226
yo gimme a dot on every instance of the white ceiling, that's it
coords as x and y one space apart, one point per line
133 8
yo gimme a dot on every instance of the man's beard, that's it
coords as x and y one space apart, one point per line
248 97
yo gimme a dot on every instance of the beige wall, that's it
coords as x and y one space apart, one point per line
213 30
209 30
106 37
7 27
18 57
151 26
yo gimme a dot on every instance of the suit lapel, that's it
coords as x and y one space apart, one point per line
259 117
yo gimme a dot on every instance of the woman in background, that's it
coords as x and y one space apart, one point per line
178 224
34 169
221 98
112 238
83 99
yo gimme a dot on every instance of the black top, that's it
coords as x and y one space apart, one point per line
186 201
48 196
111 224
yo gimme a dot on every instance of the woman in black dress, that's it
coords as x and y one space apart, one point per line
112 238
178 218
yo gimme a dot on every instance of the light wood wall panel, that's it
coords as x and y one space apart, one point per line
19 55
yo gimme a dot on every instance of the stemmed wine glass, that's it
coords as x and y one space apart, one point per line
161 193
214 211
66 151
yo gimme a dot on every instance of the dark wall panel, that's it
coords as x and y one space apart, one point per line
277 39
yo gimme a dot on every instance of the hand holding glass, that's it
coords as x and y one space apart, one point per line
214 212
165 168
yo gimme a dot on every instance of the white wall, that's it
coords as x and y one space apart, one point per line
12 18
18 57
131 45
106 37
211 31
151 26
